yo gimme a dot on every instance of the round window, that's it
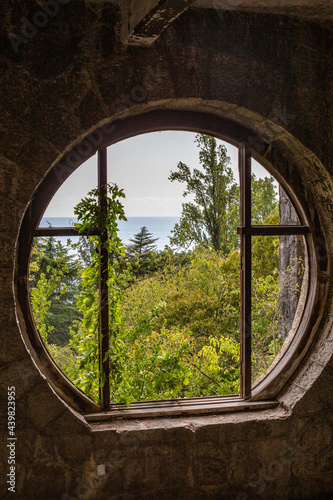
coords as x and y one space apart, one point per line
167 263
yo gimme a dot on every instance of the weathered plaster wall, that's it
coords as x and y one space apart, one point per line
65 80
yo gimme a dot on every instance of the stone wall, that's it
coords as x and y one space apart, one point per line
274 75
289 267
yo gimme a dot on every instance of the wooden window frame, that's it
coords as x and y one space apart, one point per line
262 397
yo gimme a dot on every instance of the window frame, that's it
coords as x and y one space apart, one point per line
262 396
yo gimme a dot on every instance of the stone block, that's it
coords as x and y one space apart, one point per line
73 448
322 350
7 317
210 464
43 406
69 422
319 397
35 449
22 374
6 284
16 182
37 485
308 374
112 482
90 110
208 433
290 395
183 433
133 473
25 147
244 462
7 242
11 345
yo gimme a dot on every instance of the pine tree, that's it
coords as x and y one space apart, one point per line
141 252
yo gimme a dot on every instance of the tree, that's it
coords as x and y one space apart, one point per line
85 248
140 252
265 250
213 216
264 199
54 279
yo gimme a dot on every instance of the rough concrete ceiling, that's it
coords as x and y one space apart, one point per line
322 9
144 22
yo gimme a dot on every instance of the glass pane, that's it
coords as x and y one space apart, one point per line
182 328
64 299
287 212
142 165
180 312
48 221
279 283
270 203
60 211
159 227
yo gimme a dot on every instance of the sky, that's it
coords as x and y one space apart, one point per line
141 166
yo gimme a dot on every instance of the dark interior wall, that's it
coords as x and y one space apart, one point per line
61 81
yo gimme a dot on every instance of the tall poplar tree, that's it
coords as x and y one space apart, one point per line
211 219
213 216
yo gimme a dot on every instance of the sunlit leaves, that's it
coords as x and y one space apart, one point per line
212 217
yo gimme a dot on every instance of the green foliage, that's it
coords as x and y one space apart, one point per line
85 340
155 367
64 357
85 248
84 334
152 354
173 318
264 200
213 216
92 216
220 360
265 323
205 294
265 250
265 299
40 299
53 288
197 300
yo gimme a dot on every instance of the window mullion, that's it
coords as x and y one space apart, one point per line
104 363
245 197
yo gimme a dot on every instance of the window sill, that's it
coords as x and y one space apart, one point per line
180 407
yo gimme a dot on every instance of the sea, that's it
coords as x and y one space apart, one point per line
159 227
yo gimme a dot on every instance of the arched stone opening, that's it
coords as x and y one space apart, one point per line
283 155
